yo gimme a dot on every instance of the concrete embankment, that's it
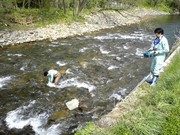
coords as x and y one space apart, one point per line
94 22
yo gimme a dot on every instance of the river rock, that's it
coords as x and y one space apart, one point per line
84 108
56 116
93 22
2 40
25 131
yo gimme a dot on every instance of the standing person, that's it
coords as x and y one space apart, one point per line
160 48
53 76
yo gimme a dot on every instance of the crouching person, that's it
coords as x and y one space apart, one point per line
53 76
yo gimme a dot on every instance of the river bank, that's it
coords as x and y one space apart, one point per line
130 102
147 110
94 22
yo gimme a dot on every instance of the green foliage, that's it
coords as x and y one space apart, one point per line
165 5
172 124
24 18
119 129
88 130
42 12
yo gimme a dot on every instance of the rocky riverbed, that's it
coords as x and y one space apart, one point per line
94 22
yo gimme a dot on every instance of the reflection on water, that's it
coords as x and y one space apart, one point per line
99 69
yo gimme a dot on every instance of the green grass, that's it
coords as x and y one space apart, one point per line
158 111
165 8
23 19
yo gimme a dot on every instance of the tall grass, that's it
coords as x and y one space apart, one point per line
158 112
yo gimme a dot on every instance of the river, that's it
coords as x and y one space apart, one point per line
98 69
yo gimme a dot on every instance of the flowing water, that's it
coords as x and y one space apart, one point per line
98 69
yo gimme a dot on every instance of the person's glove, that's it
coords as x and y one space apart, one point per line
156 52
148 54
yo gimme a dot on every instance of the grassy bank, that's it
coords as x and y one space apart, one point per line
22 19
157 112
13 19
21 14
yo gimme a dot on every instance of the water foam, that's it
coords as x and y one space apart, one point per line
101 38
60 63
14 119
112 67
55 42
4 80
83 49
139 52
21 118
75 82
103 51
69 71
23 68
135 35
19 55
116 96
126 47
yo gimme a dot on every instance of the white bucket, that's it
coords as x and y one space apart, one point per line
73 104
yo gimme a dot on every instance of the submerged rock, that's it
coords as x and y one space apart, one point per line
56 116
25 131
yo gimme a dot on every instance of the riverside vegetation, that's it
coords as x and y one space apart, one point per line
155 111
23 14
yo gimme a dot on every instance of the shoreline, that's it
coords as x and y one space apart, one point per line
129 103
103 20
147 110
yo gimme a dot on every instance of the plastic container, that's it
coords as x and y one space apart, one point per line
73 104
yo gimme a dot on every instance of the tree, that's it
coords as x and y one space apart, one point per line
177 2
64 6
15 3
81 5
1 4
56 3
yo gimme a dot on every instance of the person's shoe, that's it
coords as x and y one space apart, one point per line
153 84
154 81
149 81
149 78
